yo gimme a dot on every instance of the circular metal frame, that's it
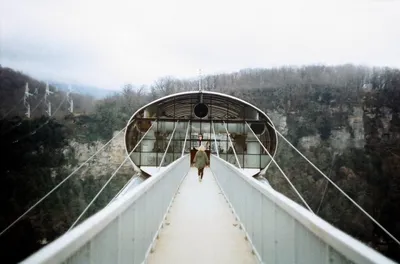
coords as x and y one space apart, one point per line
220 96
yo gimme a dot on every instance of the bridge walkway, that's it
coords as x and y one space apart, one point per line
200 227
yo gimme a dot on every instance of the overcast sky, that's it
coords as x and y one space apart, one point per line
109 43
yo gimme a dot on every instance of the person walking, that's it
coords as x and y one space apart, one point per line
201 160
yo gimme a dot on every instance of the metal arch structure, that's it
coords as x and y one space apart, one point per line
202 113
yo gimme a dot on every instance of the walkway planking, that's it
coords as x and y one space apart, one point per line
200 227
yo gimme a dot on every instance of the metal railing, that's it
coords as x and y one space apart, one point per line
282 231
126 230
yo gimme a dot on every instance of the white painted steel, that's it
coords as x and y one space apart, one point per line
340 190
280 230
186 136
219 128
169 143
154 104
124 231
282 172
215 139
249 161
108 181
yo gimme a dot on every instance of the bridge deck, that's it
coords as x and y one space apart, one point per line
200 227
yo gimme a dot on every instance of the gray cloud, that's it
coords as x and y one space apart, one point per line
108 44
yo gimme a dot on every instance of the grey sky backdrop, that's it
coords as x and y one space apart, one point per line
109 43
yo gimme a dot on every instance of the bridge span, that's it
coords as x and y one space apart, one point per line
229 217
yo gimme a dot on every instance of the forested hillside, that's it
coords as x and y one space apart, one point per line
345 119
40 152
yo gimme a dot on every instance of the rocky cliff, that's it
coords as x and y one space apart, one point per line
359 152
103 163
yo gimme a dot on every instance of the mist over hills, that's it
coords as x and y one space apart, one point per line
96 92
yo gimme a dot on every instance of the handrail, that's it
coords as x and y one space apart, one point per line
279 168
186 135
77 239
109 180
241 201
215 138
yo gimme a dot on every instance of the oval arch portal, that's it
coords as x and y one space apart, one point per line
200 113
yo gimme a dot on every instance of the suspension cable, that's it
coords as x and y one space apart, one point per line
169 142
41 100
6 114
112 176
233 148
19 123
215 138
327 183
133 177
123 188
126 184
323 196
184 143
279 168
64 180
337 187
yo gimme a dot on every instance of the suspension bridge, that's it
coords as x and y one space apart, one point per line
229 217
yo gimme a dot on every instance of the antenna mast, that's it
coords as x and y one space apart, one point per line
46 101
200 80
26 103
70 99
